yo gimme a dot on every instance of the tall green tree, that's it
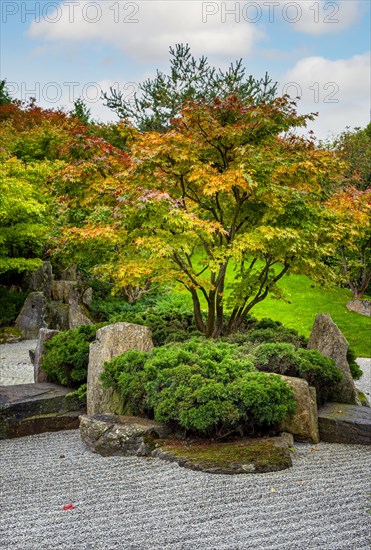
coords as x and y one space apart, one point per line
160 99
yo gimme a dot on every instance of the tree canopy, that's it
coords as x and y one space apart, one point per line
161 98
227 188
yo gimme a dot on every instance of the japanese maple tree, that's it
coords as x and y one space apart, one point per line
228 187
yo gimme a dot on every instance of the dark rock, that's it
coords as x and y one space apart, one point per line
61 290
122 436
303 424
342 423
32 315
112 340
45 334
76 313
27 409
40 280
69 274
243 456
57 316
327 338
363 307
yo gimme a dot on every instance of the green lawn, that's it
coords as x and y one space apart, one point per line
306 300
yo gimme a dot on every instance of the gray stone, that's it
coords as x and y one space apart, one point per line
70 274
32 316
121 435
342 423
27 409
45 334
76 313
61 290
57 316
363 307
40 280
111 341
87 296
303 424
327 338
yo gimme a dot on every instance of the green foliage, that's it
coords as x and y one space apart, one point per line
266 330
24 219
319 371
160 99
67 355
354 368
81 111
5 97
170 318
207 387
11 303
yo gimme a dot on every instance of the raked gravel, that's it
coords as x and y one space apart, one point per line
137 503
323 502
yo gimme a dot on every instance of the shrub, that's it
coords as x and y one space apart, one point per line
319 371
66 355
354 368
204 386
267 330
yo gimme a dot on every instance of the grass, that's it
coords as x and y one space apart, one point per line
305 300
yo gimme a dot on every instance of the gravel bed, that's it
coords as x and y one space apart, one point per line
137 503
15 363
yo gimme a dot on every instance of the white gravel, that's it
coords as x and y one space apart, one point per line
15 363
146 504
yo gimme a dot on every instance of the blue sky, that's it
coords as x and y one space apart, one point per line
60 50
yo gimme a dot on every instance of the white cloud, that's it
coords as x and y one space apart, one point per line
159 25
339 90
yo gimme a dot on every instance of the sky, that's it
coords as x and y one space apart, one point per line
318 50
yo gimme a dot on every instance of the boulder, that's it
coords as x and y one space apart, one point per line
40 280
327 338
57 316
121 435
342 423
111 340
87 296
27 409
32 315
61 290
76 314
303 424
45 334
69 274
363 307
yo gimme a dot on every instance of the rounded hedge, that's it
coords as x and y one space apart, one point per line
203 386
319 371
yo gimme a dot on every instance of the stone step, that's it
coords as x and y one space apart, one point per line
340 423
27 409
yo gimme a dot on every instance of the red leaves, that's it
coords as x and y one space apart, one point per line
69 506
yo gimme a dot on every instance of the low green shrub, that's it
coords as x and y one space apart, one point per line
266 330
319 371
204 386
66 355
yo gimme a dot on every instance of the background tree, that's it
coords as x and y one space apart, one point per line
81 111
353 258
160 99
226 188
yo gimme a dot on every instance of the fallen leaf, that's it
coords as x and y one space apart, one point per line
300 481
339 411
313 450
69 506
273 490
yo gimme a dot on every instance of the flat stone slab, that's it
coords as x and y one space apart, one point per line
133 436
340 423
28 409
110 435
243 456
